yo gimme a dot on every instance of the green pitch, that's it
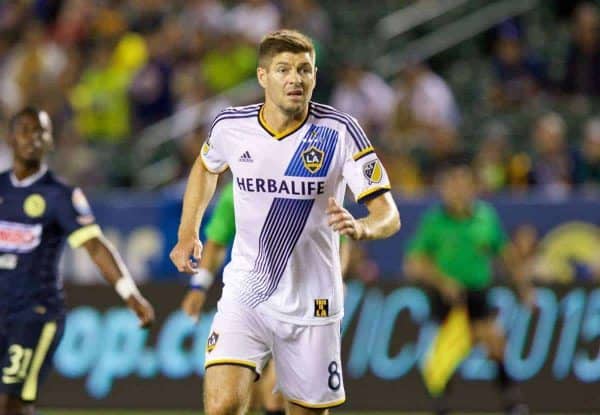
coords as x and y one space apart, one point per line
124 412
127 412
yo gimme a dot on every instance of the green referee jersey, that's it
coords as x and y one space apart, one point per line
221 226
462 248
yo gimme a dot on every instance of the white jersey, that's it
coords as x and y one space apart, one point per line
285 258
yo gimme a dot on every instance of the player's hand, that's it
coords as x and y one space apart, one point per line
342 221
193 302
142 309
182 253
451 291
527 296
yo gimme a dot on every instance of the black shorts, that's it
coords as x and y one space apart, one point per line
476 301
26 350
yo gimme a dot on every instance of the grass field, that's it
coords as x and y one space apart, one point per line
124 412
128 412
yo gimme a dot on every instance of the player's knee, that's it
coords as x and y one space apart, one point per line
300 410
14 406
222 404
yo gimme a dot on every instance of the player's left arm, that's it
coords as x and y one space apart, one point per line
74 215
382 221
365 175
114 271
502 246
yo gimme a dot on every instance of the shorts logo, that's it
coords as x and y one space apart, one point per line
321 307
212 341
34 206
373 171
205 148
312 159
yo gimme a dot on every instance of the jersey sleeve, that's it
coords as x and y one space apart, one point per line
213 150
75 217
221 225
362 169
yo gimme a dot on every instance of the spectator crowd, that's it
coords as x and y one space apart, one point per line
108 69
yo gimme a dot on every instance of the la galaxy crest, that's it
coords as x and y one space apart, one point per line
212 341
312 158
373 171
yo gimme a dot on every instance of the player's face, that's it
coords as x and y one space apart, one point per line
29 141
458 189
289 81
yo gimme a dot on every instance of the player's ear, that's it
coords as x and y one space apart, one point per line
261 75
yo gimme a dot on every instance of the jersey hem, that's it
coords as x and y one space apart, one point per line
325 405
211 170
320 321
372 193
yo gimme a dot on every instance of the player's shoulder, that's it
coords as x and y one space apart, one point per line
58 182
235 115
57 186
323 111
4 176
341 121
485 209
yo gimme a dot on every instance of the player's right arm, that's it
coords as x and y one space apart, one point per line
114 271
219 232
198 192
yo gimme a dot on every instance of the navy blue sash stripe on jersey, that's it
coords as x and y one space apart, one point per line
288 247
322 138
359 137
243 112
283 226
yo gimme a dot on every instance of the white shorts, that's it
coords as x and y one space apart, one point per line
307 358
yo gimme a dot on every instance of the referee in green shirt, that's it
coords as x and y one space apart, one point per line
453 252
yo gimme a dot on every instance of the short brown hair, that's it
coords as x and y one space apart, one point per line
283 41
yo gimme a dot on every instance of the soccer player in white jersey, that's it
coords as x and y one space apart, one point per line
282 297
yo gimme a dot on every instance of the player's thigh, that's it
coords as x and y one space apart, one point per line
271 400
238 337
308 365
292 409
15 406
488 332
227 389
27 358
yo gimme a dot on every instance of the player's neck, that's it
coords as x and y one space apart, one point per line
278 121
24 169
460 211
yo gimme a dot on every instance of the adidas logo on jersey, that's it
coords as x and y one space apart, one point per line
246 157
